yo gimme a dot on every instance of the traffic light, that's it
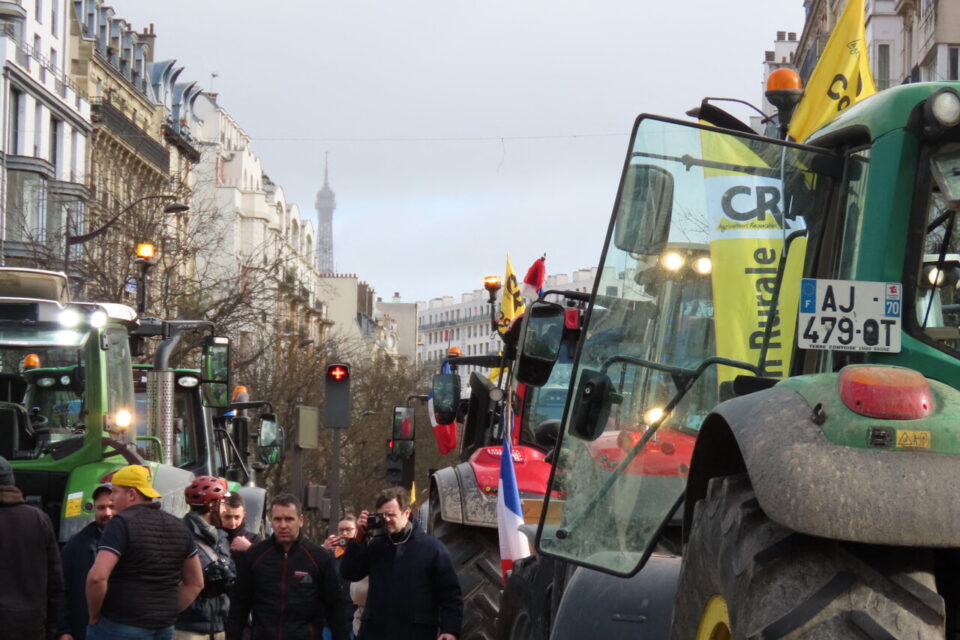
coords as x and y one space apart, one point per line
394 466
336 404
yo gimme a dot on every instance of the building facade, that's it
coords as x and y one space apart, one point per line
465 321
46 126
907 40
257 244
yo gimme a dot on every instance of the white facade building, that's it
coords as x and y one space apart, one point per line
258 229
447 322
46 123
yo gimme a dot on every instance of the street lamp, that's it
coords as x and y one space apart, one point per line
492 284
173 207
146 258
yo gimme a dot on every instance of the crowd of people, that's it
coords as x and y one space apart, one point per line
137 572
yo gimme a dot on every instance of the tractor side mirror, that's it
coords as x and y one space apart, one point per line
547 433
591 405
403 427
446 397
644 210
541 342
271 439
215 371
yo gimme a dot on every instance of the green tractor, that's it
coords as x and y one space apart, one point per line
67 397
819 500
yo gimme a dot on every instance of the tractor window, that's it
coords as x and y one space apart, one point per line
706 223
937 299
118 366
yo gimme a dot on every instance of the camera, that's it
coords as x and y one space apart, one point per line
341 542
218 578
376 521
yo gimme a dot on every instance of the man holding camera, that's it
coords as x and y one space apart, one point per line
288 583
414 591
206 617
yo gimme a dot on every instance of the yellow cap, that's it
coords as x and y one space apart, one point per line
137 477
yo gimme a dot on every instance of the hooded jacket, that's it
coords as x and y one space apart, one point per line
208 613
32 582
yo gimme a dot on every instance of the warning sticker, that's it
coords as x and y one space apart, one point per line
74 504
913 439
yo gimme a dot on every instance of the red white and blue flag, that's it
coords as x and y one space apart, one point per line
513 544
532 287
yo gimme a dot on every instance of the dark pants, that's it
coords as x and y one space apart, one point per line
107 630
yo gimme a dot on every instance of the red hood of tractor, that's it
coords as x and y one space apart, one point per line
668 453
532 472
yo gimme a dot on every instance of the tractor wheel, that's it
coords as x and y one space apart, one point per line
744 576
525 604
475 552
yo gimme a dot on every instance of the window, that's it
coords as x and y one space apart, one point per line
55 132
53 17
37 128
74 155
953 63
883 66
38 10
16 104
53 59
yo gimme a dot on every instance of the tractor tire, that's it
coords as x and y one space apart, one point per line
525 607
475 552
746 577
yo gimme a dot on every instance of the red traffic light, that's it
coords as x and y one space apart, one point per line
338 372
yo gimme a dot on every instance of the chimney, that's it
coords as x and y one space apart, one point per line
769 56
781 36
396 296
150 39
792 36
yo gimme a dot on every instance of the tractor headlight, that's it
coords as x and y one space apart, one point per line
943 107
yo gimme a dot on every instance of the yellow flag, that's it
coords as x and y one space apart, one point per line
841 78
511 302
745 252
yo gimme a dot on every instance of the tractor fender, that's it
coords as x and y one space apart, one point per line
811 485
461 500
598 605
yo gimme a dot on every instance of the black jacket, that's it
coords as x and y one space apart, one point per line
292 594
78 556
243 533
414 591
32 582
208 613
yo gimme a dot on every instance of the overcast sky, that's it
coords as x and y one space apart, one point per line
460 131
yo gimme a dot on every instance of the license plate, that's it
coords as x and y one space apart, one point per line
849 315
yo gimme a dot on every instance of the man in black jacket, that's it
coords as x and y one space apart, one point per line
32 582
414 591
78 556
233 514
288 583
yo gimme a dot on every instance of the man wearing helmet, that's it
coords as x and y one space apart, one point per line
206 617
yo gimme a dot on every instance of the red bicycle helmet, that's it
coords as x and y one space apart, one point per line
205 489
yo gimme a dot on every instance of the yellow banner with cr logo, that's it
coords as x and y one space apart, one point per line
841 78
748 223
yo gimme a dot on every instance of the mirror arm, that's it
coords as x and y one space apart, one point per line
579 296
775 298
225 435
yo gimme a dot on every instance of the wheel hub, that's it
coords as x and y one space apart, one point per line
715 621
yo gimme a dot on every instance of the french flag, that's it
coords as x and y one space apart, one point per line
513 544
532 287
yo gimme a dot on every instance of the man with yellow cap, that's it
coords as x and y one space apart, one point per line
146 570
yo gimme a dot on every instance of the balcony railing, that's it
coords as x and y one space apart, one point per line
26 55
105 113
